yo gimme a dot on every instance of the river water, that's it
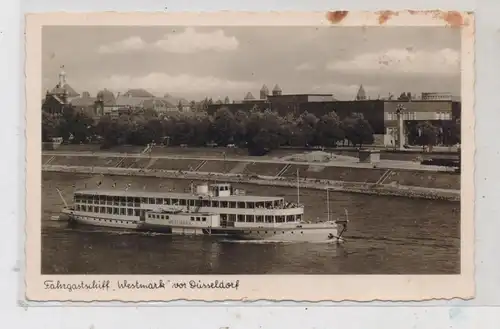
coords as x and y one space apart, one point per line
386 235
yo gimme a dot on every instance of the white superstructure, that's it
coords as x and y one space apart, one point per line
209 209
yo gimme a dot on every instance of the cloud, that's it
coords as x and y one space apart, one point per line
161 83
395 61
191 41
186 42
305 67
129 44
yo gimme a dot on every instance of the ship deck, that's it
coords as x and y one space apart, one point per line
171 195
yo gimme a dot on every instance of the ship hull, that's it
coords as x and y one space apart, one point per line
288 235
113 222
303 233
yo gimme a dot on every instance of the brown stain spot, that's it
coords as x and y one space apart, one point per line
453 18
385 15
336 16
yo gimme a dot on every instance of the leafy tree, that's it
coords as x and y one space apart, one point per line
224 126
148 114
357 130
405 97
75 126
259 130
241 118
306 128
329 130
180 130
113 132
427 134
452 132
143 134
49 126
200 132
264 131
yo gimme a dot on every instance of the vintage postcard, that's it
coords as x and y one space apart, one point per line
250 156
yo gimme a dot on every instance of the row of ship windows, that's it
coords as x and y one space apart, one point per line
136 202
265 232
242 218
109 210
224 217
108 220
261 219
156 216
194 219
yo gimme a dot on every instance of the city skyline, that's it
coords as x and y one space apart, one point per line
215 62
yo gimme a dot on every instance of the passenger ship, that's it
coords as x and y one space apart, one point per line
214 209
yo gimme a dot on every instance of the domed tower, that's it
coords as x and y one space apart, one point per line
361 95
264 91
277 91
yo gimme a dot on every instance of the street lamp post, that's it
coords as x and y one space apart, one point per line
399 112
224 156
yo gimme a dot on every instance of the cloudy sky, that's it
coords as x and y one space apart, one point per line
216 62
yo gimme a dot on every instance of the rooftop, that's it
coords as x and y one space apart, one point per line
83 101
309 94
107 97
139 93
151 103
131 101
65 88
249 96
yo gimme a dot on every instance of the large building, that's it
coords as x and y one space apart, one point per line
275 101
436 96
60 96
380 113
105 101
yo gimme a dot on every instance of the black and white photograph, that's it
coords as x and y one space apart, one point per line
251 150
223 150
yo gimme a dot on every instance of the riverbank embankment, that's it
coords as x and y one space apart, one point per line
372 188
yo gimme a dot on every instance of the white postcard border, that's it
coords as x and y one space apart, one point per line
254 287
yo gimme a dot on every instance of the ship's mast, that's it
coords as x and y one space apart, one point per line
298 187
328 202
62 198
